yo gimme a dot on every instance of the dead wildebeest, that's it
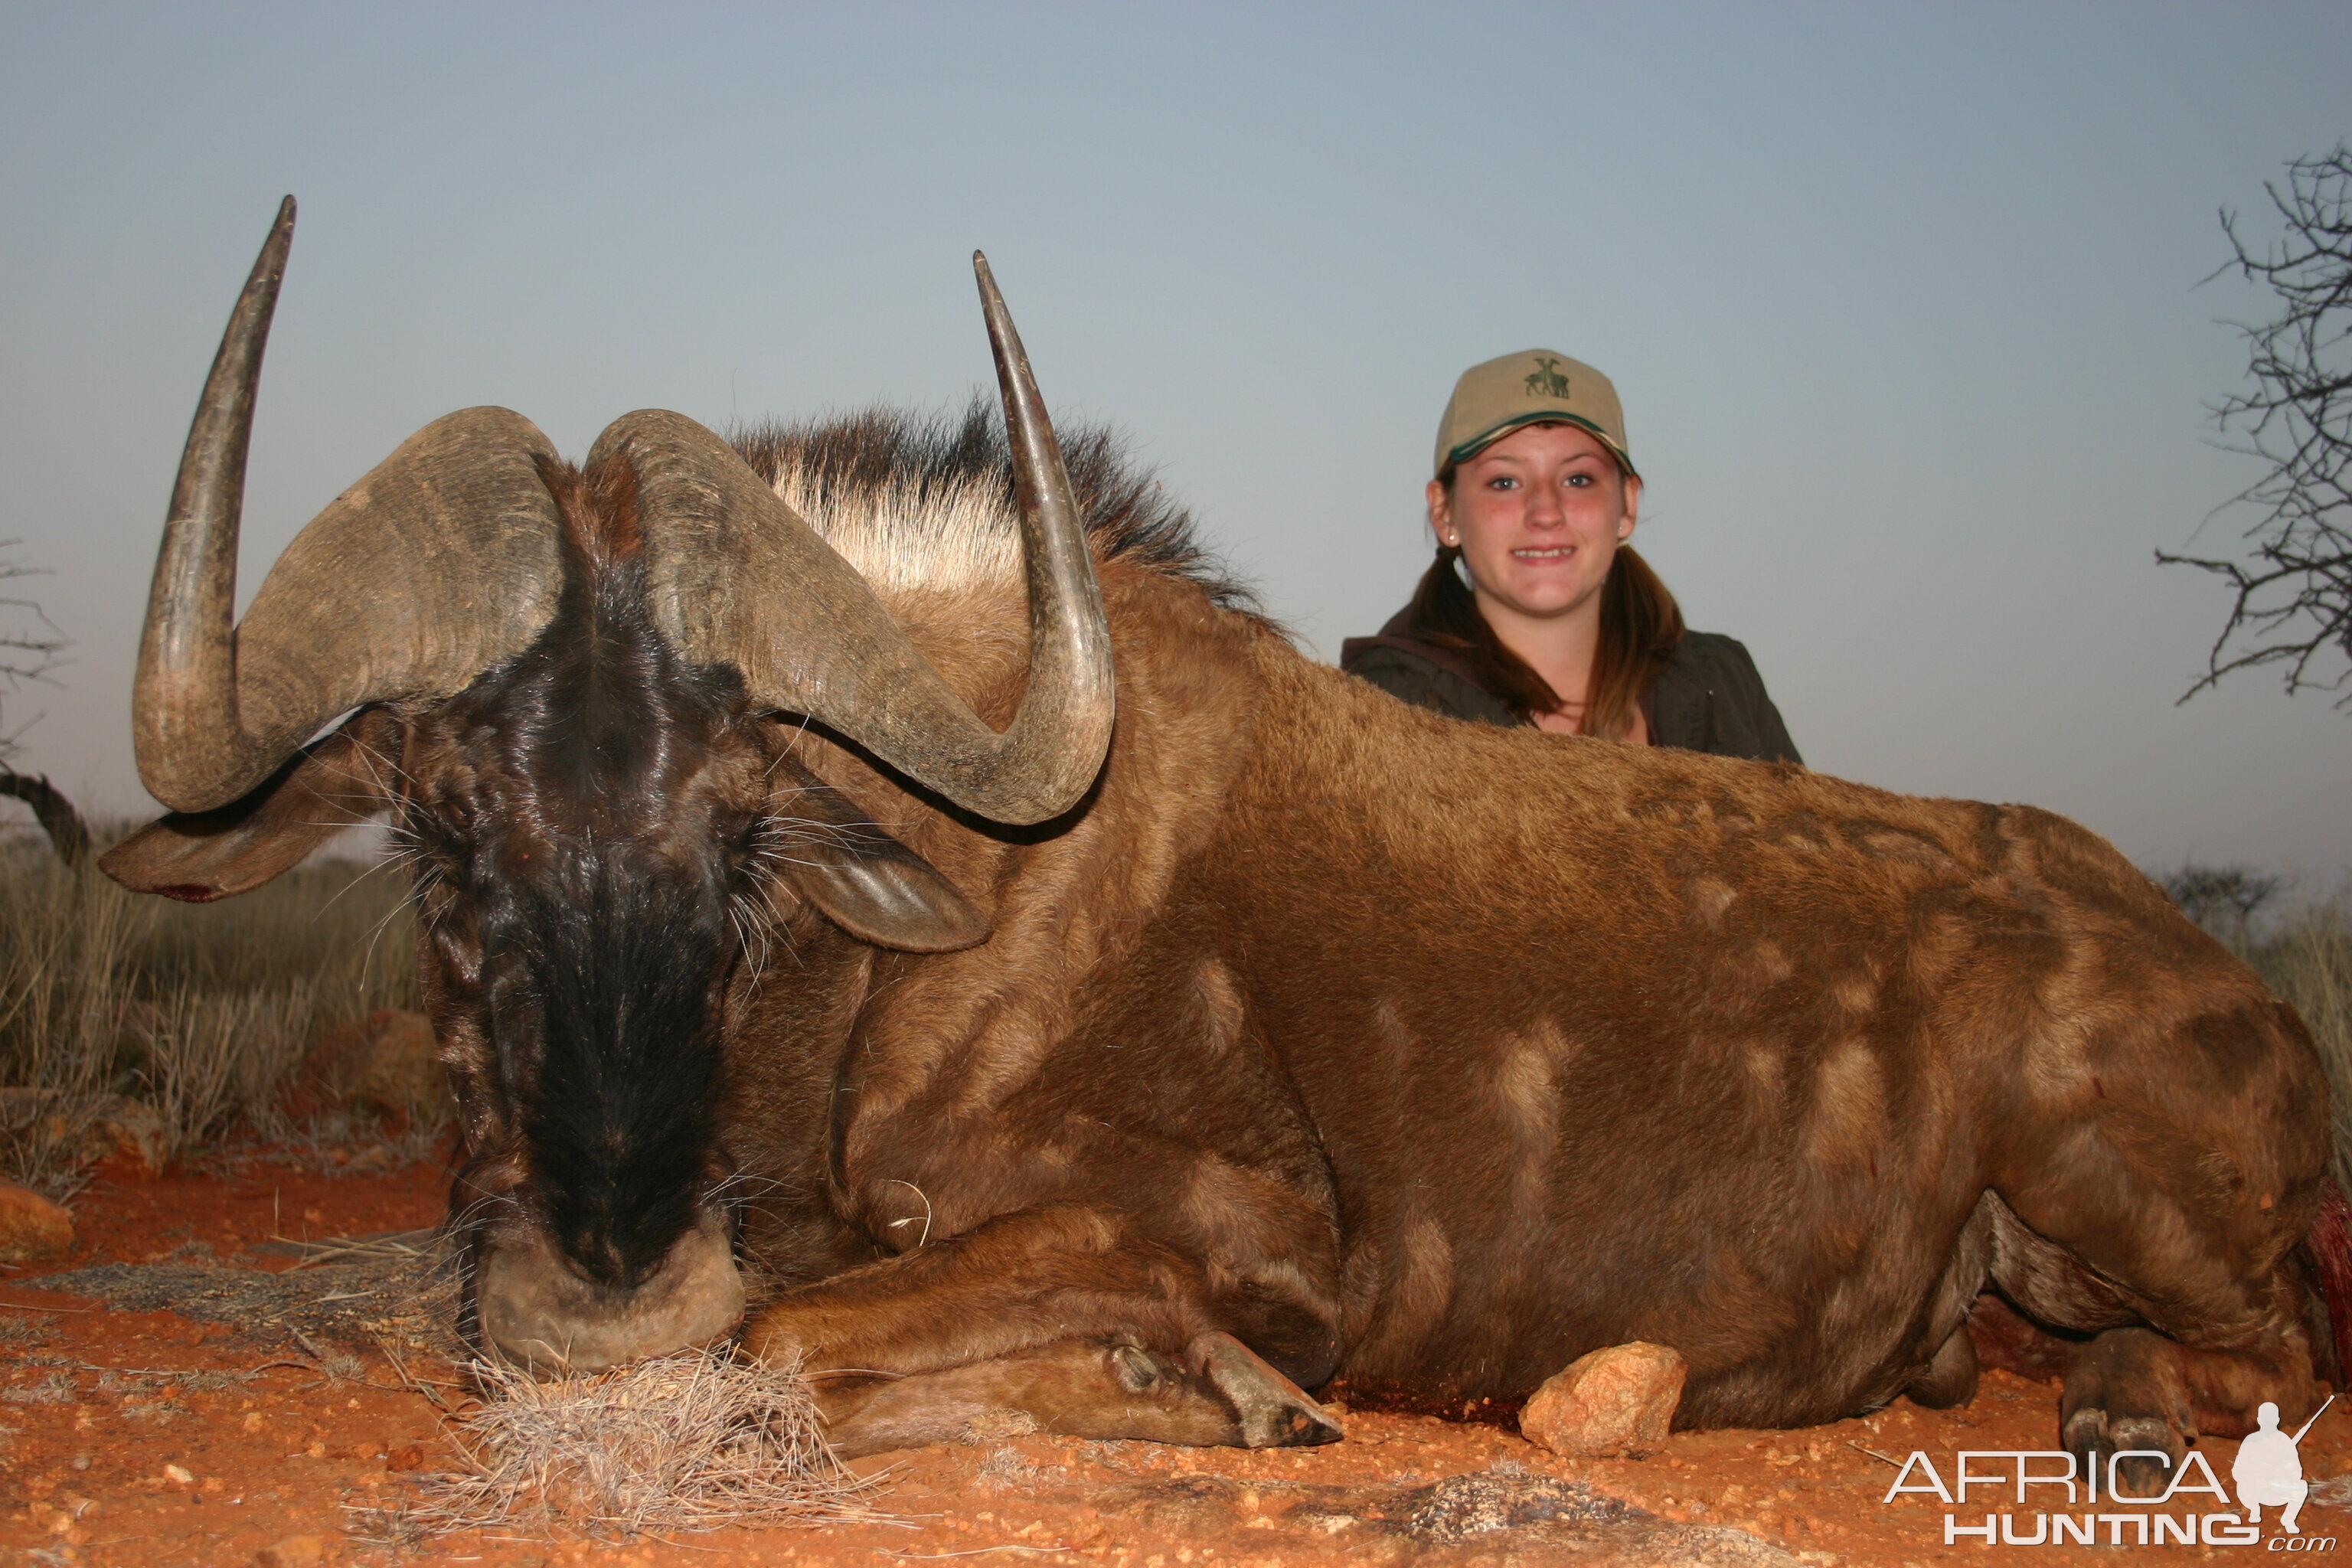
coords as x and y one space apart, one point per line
1145 1073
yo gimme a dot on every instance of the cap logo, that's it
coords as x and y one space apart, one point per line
1546 380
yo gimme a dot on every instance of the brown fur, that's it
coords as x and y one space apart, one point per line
1431 1053
1514 1046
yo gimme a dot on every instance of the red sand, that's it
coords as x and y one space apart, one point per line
276 1461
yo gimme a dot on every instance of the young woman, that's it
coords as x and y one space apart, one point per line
1560 624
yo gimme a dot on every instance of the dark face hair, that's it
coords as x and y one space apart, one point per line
592 824
595 820
583 830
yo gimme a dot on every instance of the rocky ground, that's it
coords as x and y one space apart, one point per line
200 1380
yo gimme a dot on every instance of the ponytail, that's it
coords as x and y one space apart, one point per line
1640 626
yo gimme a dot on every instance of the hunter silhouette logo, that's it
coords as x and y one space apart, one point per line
2269 1467
1546 380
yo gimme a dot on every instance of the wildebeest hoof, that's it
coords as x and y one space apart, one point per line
2152 1450
1273 1411
1135 1368
1078 1388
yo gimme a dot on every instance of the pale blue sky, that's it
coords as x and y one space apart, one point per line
1901 300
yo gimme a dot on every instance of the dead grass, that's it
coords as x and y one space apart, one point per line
21 1331
204 1056
65 1011
201 1012
688 1442
2308 962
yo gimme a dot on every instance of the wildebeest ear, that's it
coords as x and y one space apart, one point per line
197 857
864 881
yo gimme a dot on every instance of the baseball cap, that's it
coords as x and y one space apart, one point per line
1533 386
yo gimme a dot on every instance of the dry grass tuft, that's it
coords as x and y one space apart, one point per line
201 1013
695 1441
207 1057
2308 962
21 1331
66 1012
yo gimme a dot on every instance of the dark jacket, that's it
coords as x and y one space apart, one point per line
1707 698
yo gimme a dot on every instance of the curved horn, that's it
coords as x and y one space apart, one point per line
737 576
440 563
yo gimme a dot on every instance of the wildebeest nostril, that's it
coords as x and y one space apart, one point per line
535 1310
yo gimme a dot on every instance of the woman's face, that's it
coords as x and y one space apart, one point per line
1538 517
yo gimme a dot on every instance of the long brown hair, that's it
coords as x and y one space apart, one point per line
1640 624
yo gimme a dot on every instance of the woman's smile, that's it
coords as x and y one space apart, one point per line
1538 516
1534 611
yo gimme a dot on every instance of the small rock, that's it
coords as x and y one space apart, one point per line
292 1552
388 1060
179 1475
31 1227
1618 1401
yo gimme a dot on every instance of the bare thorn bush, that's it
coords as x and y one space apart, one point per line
2223 899
696 1441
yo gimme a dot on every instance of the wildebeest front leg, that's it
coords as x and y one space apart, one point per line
1218 1393
2151 1191
1061 1315
2161 1372
2140 1391
2135 1391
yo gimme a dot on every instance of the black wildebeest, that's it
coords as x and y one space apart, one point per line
1162 1057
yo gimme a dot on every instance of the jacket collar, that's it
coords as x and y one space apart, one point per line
1398 634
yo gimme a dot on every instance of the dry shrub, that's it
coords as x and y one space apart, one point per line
2309 962
695 1441
66 1009
202 1011
207 1057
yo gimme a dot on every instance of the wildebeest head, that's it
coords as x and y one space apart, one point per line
565 684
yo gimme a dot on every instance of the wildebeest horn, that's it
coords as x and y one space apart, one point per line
437 565
737 576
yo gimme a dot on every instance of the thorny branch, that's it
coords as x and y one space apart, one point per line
2293 602
30 641
29 644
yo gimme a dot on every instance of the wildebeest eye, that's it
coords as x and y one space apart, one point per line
750 847
432 849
